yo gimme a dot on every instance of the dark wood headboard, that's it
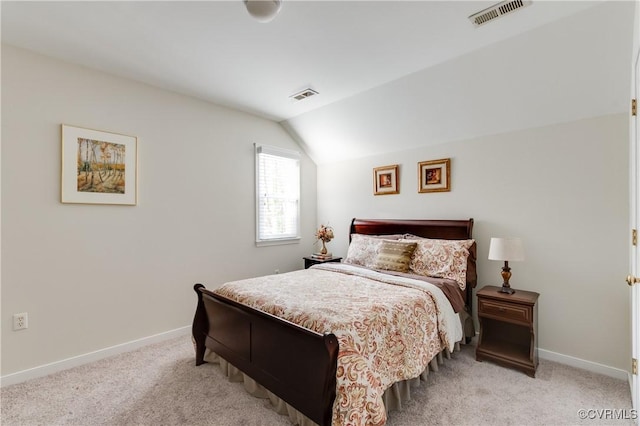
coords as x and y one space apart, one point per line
440 229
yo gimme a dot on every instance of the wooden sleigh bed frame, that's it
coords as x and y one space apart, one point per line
296 364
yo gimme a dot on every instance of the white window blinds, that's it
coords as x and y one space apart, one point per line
277 195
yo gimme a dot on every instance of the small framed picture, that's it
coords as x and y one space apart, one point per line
385 180
98 167
434 175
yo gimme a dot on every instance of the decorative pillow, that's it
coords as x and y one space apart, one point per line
394 255
440 258
364 248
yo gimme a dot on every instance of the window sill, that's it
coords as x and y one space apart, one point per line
278 242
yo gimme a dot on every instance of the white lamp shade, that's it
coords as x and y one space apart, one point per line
509 249
263 10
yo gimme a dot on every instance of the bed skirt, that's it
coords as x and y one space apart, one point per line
393 397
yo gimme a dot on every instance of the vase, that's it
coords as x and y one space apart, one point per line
324 248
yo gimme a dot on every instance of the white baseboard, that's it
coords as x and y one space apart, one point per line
584 364
75 361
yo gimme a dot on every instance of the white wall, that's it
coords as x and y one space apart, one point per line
563 189
94 276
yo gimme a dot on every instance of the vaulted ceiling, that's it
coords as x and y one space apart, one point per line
391 75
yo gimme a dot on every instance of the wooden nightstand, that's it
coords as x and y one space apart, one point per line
309 261
508 328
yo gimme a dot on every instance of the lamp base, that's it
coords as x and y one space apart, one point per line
507 290
506 274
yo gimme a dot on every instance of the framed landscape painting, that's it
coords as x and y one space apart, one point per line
434 175
98 167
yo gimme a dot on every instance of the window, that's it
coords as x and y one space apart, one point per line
277 195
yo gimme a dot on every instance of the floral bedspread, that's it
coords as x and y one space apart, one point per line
388 327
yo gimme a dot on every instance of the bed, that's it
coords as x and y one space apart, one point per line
299 364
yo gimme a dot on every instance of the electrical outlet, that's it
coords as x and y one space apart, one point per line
20 321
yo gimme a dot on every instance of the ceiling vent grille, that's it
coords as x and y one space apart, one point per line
306 93
497 10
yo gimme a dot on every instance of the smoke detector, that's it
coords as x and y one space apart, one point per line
306 93
497 10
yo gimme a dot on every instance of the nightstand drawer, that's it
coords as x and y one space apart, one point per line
507 311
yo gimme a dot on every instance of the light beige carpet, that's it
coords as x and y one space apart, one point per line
160 385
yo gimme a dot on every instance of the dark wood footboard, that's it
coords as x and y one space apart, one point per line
296 364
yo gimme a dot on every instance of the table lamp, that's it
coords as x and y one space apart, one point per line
507 249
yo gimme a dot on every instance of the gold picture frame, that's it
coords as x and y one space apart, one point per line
385 180
98 167
434 175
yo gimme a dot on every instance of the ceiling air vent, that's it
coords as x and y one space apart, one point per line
306 93
497 10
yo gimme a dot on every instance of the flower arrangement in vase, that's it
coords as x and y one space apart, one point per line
324 234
